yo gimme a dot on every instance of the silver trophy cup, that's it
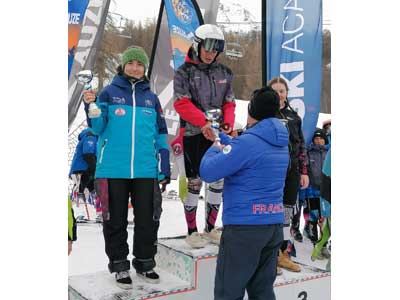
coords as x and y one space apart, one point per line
213 115
85 77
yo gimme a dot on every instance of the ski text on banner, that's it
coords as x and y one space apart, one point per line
293 51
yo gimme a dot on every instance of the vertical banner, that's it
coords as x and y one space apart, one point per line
177 21
83 41
292 33
183 19
76 13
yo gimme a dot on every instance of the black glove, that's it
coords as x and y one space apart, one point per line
164 183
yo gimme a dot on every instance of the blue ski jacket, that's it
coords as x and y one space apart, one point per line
132 132
87 143
254 167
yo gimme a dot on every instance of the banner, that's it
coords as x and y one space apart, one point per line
177 21
86 20
292 33
76 13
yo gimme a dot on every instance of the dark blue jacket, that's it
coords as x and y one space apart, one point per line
254 167
86 145
315 158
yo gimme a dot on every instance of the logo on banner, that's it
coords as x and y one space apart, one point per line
119 111
182 10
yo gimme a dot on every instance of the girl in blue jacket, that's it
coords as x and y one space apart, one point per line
131 148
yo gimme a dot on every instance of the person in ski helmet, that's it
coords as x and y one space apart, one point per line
253 166
297 172
133 159
201 84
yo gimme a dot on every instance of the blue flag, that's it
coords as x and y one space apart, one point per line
293 51
183 19
76 14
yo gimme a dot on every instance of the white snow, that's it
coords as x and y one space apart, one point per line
88 254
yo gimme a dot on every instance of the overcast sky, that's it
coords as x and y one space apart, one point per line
150 8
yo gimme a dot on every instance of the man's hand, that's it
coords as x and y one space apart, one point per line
89 96
207 131
304 181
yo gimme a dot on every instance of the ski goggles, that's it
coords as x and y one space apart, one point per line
213 44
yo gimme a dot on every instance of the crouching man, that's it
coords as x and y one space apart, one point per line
253 166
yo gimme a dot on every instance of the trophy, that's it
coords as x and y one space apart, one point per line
213 115
85 77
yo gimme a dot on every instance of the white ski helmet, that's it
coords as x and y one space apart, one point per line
210 37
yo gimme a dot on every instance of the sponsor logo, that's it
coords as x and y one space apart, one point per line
147 112
227 149
119 111
118 100
148 103
273 208
182 10
74 18
220 81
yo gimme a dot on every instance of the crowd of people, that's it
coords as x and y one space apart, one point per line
265 175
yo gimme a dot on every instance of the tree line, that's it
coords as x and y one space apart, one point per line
244 59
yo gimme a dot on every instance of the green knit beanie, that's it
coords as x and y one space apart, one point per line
135 53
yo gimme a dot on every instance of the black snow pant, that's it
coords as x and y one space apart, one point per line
194 148
145 227
247 260
292 184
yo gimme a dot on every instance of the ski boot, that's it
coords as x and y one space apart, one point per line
295 232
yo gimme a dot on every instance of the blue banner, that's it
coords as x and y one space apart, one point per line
183 19
76 13
293 51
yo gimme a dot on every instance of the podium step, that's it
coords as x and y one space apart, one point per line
187 273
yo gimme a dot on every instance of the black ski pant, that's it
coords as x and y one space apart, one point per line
247 260
194 148
145 228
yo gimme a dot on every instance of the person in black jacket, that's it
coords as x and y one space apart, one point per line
296 174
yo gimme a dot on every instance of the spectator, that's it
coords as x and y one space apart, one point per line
316 154
83 164
296 174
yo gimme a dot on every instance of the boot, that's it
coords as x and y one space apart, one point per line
149 276
195 240
296 234
285 262
123 279
214 236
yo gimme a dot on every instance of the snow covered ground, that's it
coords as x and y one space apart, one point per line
88 254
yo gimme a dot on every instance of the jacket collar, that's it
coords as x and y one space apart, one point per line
123 82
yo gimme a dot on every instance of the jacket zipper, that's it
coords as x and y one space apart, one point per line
102 150
133 126
214 87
